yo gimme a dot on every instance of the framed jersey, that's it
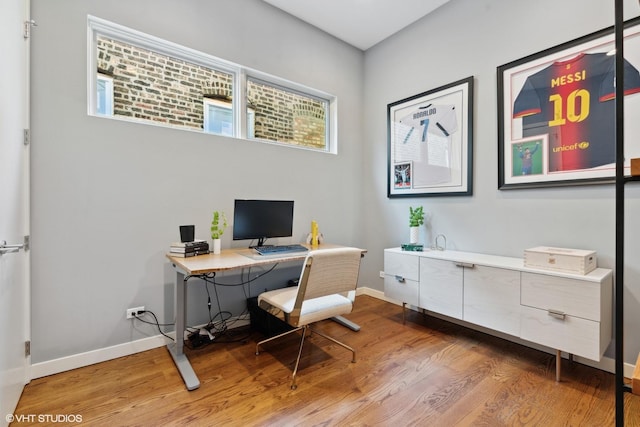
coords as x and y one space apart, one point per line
557 114
430 143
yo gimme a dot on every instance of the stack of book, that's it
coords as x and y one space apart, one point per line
189 249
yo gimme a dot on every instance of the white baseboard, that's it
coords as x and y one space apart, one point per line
50 367
79 360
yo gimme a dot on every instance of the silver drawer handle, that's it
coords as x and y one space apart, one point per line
557 314
9 249
399 279
465 264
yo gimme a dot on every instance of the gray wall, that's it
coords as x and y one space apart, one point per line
108 195
464 38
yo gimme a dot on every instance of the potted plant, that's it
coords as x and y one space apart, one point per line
218 225
416 219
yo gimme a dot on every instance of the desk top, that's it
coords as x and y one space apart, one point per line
234 258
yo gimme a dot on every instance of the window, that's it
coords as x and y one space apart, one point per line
218 117
285 115
251 123
155 87
104 95
135 76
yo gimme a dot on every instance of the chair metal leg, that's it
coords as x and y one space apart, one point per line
275 337
303 335
353 360
295 368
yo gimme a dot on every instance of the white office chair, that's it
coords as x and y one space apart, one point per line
327 278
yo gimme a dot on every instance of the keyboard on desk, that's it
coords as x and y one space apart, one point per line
280 249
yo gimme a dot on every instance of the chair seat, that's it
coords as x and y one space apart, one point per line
313 310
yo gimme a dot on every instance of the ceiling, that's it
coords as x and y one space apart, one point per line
361 23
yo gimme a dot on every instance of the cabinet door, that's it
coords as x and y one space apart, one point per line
441 287
492 298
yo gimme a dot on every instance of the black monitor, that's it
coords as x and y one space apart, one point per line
262 219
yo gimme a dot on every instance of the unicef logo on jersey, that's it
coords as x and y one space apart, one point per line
583 145
571 147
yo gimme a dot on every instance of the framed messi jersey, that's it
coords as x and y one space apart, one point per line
557 114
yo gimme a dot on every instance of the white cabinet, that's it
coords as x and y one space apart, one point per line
441 287
565 311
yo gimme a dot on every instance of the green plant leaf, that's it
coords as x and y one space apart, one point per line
218 224
416 216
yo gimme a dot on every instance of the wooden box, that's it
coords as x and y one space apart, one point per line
560 259
635 167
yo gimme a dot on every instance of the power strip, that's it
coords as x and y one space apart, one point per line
235 322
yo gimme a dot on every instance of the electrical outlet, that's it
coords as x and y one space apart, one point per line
382 274
132 312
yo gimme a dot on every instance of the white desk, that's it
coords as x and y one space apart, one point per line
229 259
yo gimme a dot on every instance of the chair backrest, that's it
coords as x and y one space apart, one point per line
328 272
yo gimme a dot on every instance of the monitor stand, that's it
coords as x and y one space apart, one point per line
260 244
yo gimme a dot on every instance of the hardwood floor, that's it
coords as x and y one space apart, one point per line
425 373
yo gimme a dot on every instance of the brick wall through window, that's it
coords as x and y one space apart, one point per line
154 87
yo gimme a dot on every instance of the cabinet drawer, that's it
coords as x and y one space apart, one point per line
570 296
405 266
399 289
571 334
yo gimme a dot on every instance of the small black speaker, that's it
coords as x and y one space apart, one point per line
187 233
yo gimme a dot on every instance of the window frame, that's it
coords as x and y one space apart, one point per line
240 76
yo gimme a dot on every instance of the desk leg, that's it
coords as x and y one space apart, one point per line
346 322
177 349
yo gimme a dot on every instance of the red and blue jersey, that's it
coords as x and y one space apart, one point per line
571 101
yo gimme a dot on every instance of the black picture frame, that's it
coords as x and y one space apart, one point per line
556 112
430 144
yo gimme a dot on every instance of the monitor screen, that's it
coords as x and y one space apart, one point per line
262 219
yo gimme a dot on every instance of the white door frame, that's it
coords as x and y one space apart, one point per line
15 297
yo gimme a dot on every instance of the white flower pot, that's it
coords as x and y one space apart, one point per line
216 246
414 233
